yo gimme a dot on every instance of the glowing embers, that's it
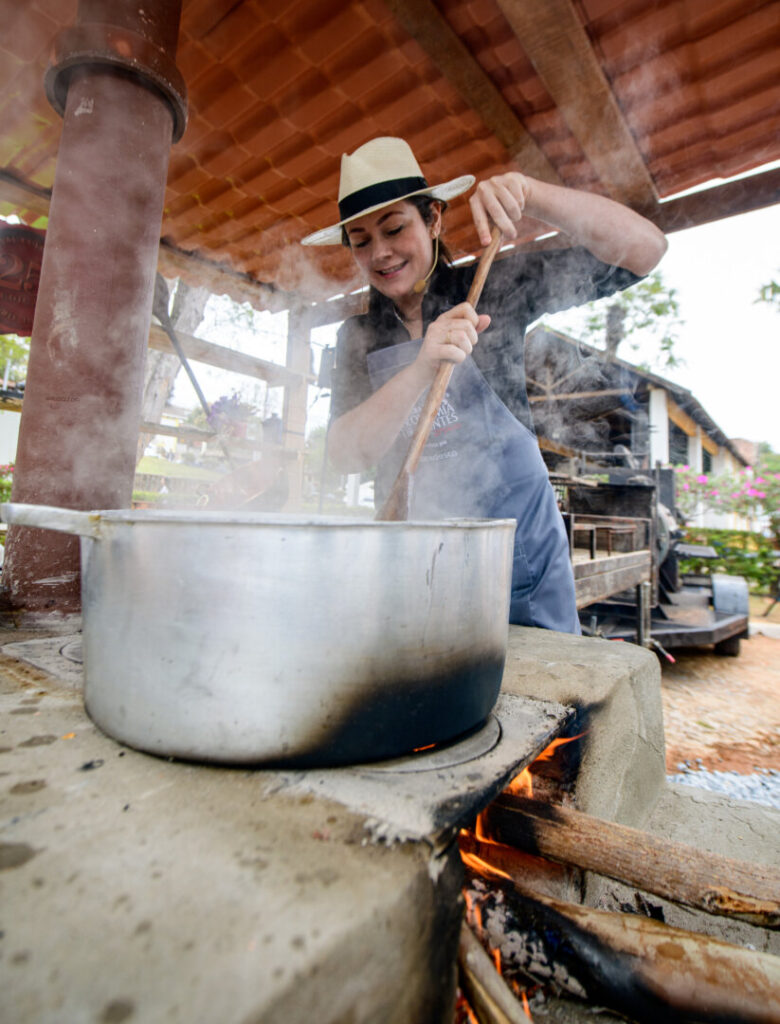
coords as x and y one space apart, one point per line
485 993
496 939
523 784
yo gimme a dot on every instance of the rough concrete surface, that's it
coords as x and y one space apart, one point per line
618 686
134 888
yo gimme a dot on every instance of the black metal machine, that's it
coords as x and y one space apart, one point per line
631 587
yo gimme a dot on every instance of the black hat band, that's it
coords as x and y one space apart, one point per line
376 195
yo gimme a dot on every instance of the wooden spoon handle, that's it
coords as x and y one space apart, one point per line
397 501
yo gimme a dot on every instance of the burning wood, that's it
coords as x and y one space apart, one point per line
487 992
639 967
674 871
642 968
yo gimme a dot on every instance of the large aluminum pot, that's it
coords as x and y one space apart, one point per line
247 638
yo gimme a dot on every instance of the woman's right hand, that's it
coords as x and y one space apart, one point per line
450 338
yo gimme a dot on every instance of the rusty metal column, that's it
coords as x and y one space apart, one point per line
123 101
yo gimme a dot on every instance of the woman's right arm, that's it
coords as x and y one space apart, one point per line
361 436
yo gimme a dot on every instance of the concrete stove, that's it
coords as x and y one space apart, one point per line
136 888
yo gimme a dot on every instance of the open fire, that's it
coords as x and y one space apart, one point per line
527 935
486 858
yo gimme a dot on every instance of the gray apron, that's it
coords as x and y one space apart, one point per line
481 462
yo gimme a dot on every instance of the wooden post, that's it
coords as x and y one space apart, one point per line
296 399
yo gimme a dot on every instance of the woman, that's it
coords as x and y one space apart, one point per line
481 459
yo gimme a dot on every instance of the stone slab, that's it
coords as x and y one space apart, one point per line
140 889
616 687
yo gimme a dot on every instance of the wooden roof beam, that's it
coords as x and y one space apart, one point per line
433 33
575 396
559 49
23 194
172 262
754 192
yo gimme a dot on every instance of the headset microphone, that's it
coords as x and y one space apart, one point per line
419 286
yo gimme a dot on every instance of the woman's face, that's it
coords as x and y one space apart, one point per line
394 247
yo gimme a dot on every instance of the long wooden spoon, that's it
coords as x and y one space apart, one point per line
397 507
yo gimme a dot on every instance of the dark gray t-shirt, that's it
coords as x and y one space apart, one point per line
518 291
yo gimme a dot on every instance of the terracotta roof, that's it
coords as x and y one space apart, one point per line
638 99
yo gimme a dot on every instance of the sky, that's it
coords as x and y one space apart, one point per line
728 344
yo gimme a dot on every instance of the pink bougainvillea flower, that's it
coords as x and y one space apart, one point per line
686 485
701 479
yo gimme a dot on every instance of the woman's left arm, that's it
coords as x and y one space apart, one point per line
614 233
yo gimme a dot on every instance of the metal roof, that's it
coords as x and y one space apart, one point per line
636 99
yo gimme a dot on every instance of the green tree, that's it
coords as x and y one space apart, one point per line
767 458
315 458
14 353
649 308
770 293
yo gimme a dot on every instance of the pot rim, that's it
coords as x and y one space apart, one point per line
222 518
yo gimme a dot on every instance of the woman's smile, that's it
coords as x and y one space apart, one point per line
393 247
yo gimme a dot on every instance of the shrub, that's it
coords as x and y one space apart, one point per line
740 553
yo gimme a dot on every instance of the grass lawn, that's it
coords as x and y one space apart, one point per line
156 466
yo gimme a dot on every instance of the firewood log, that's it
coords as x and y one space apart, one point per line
683 874
488 994
644 969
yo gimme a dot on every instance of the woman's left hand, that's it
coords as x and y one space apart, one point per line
499 200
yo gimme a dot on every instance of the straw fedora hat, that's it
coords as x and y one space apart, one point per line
379 173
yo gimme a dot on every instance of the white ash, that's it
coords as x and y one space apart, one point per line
762 787
522 952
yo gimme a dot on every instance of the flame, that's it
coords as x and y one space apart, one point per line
526 1007
482 867
521 785
473 1019
547 753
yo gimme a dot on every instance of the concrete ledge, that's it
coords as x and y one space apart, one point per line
617 687
137 889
